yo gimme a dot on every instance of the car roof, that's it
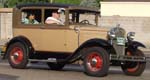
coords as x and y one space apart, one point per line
69 6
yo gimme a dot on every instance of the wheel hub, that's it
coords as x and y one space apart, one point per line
95 61
16 55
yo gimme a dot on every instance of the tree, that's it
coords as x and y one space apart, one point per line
12 3
91 3
77 2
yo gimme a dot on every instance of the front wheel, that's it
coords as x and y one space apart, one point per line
17 55
133 68
96 61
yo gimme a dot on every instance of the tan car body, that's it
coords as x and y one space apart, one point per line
56 38
60 40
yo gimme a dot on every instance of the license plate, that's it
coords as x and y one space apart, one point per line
120 41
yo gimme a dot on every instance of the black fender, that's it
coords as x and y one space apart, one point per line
22 40
89 43
135 45
96 41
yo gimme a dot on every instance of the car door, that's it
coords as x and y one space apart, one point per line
53 38
59 38
53 35
72 38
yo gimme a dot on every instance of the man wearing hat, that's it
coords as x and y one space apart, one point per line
55 18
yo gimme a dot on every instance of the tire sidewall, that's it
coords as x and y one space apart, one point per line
24 62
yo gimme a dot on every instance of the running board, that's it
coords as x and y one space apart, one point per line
129 58
112 57
147 59
43 60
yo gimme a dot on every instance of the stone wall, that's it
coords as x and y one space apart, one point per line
133 16
5 24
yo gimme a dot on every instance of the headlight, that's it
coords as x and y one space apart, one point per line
116 32
111 34
131 36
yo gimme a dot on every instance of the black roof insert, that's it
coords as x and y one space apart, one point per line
44 5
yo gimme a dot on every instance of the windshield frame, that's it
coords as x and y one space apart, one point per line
81 11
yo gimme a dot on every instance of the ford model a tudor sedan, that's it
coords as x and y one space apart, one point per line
63 34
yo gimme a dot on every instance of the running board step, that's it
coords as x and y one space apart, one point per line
44 60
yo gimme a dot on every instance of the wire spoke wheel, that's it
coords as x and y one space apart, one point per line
96 61
133 68
17 55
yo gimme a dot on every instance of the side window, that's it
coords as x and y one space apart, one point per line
82 17
54 16
31 16
73 17
87 18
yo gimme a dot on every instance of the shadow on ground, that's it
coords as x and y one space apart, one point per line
79 68
8 77
68 68
72 67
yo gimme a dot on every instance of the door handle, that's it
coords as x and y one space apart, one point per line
42 27
77 29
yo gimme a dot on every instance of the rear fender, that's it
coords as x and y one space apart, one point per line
22 40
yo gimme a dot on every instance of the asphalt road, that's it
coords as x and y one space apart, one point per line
70 72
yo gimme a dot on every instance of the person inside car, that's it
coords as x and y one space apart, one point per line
54 19
30 19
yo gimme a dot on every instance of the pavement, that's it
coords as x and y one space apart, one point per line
70 72
41 71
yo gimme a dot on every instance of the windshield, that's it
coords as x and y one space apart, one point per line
83 17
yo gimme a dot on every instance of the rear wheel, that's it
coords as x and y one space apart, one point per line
17 55
133 68
96 61
55 66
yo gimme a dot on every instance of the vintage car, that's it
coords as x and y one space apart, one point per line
78 38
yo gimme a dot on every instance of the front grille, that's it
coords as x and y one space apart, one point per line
119 47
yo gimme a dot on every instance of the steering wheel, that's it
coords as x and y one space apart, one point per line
85 22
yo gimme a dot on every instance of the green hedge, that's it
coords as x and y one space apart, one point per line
68 1
92 3
12 3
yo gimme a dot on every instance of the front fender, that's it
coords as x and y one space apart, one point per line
89 43
95 42
136 44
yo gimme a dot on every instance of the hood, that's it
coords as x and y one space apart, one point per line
90 28
88 32
93 28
